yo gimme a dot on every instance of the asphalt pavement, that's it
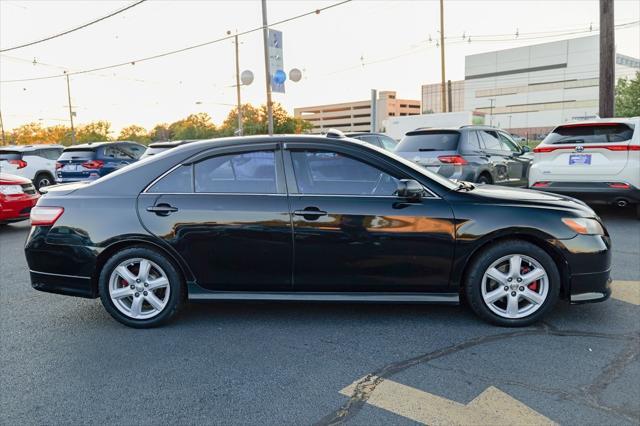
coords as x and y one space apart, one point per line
63 360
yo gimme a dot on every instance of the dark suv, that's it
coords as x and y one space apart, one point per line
95 159
378 139
480 154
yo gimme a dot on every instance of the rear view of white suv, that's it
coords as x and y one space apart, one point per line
597 161
35 162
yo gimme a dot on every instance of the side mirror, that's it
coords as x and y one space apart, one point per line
525 149
410 189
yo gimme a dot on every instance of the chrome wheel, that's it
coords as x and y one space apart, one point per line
139 288
43 181
515 286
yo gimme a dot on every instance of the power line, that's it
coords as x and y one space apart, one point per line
184 49
74 29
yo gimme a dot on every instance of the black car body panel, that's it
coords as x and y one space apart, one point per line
289 244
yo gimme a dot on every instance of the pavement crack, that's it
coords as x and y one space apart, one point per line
365 387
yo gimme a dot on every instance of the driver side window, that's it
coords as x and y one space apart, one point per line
332 173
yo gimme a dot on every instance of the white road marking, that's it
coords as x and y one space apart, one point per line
627 291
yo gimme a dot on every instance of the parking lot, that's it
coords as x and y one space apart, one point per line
64 360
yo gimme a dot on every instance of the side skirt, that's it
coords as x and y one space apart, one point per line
362 297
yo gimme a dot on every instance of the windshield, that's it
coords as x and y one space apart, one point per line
442 140
73 154
590 133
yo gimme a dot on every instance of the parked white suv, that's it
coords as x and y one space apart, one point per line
597 161
35 162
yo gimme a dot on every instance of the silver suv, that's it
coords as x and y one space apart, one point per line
479 154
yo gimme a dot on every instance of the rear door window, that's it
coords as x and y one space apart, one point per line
72 154
246 172
441 140
591 133
178 181
491 141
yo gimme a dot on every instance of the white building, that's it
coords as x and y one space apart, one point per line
529 90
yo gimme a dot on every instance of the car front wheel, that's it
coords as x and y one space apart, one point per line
140 287
512 283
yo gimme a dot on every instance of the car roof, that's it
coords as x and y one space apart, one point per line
24 148
171 144
354 134
94 145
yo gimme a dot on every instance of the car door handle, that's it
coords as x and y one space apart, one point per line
310 213
162 209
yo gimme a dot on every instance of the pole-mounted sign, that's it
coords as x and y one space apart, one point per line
276 61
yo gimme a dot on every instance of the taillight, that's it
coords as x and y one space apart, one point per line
619 185
45 216
452 159
541 184
59 165
93 164
20 163
609 147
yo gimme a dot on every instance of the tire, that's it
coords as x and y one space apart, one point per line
484 179
43 179
480 288
143 306
638 211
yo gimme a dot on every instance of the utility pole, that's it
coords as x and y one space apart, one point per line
240 130
2 129
491 113
607 59
73 131
444 90
265 37
450 96
374 110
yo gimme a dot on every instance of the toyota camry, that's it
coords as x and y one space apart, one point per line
318 218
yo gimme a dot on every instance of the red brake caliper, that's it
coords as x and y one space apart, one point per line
534 285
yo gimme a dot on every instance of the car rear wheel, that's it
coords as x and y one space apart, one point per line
483 179
42 180
140 287
512 283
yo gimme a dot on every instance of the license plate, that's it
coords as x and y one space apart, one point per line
72 167
580 159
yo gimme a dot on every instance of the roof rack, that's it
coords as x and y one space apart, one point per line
335 133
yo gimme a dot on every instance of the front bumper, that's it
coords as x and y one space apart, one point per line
588 259
594 192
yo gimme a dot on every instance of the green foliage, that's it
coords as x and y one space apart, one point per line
160 133
195 126
254 121
628 97
135 133
97 131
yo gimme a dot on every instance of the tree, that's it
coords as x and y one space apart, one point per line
628 97
97 131
134 133
160 133
254 121
195 126
59 134
27 134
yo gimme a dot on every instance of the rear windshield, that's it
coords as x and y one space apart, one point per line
10 155
74 154
592 133
429 141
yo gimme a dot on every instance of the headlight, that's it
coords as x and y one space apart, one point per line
10 189
584 226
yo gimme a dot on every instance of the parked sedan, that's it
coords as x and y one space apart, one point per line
311 218
17 197
479 154
93 160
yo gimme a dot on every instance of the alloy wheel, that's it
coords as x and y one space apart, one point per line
515 286
139 288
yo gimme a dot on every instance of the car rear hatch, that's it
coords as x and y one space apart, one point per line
581 151
11 161
431 149
77 163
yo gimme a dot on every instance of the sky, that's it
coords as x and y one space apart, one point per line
343 52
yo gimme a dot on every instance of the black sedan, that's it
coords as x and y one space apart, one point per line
311 218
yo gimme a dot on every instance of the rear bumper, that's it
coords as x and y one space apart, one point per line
70 285
594 192
18 208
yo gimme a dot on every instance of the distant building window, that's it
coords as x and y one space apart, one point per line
391 114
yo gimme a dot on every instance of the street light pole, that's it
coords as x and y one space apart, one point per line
265 37
2 129
240 130
443 88
73 132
